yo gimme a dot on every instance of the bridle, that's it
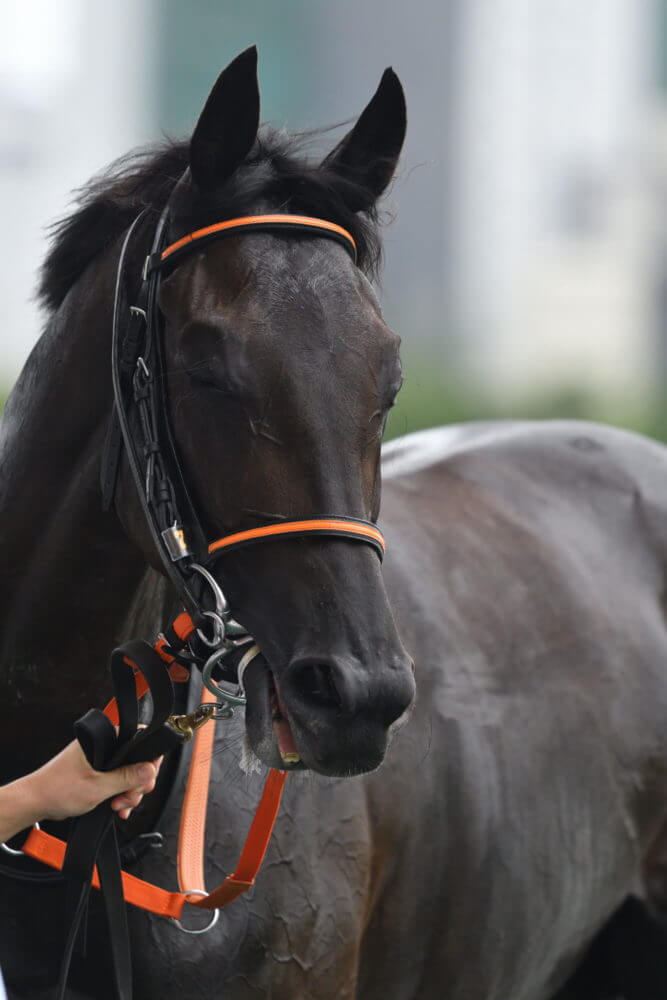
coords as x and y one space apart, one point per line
138 378
138 374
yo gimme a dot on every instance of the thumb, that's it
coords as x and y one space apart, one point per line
130 776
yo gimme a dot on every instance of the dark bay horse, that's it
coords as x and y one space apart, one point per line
511 844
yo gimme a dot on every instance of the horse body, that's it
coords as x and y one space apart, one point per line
538 746
525 569
517 804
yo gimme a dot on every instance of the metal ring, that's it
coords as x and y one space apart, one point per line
221 605
218 630
220 693
11 850
202 930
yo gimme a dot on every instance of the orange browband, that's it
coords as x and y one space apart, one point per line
362 531
301 223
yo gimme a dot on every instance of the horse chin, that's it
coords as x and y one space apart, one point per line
330 748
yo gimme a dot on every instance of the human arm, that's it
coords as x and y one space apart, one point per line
68 786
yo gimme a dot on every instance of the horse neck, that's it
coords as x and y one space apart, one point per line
70 576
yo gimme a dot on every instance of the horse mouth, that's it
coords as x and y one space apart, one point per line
282 729
268 724
297 737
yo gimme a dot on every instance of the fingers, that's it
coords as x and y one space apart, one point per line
127 801
130 797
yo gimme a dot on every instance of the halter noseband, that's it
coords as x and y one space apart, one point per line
135 360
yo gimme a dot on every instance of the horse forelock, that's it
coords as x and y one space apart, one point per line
279 170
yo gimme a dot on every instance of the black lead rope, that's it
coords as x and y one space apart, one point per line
93 839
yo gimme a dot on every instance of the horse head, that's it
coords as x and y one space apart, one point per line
280 372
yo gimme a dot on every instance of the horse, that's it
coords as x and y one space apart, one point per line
498 836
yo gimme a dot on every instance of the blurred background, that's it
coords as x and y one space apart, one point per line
525 264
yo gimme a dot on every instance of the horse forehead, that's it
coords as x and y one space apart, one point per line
305 280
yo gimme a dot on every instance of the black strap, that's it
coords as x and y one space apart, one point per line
154 503
129 352
93 838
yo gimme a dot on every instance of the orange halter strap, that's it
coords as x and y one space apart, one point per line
51 850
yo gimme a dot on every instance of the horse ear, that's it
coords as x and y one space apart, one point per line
227 127
369 153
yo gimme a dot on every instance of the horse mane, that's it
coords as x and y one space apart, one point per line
277 169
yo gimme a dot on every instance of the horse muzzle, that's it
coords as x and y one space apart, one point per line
332 715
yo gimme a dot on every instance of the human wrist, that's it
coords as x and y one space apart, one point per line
19 805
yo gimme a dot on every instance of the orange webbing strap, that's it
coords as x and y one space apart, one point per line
183 628
176 672
254 849
193 815
51 851
193 827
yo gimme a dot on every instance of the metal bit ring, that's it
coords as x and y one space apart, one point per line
221 605
218 630
227 698
221 613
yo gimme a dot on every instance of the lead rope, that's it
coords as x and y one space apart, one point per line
90 859
93 844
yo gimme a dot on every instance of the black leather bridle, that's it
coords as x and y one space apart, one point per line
138 378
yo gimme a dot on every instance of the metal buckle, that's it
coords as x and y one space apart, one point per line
202 930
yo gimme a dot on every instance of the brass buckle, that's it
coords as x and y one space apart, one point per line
187 725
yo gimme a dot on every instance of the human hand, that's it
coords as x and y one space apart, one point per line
68 786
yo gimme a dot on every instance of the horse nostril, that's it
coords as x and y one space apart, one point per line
315 684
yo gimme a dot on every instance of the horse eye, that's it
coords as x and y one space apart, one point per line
202 375
393 395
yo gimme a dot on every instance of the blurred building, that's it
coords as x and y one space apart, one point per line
75 92
529 244
559 179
